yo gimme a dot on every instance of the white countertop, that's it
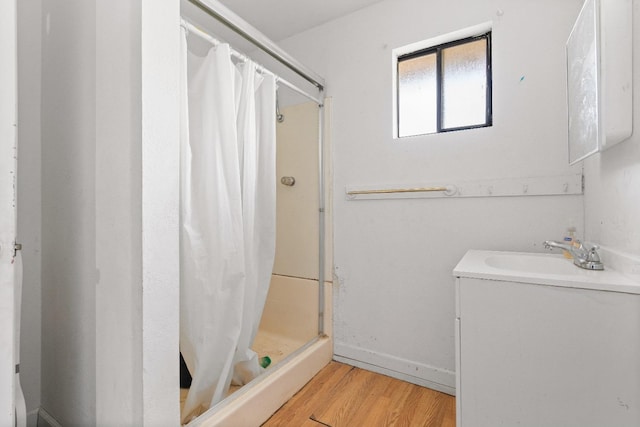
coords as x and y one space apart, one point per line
544 269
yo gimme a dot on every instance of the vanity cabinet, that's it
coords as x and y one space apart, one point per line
545 353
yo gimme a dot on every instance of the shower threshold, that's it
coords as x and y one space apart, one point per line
276 346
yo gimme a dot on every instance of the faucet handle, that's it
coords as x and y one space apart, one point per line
593 253
591 260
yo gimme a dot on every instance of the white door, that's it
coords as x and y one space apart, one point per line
8 131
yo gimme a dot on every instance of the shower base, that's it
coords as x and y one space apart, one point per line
276 346
267 343
289 310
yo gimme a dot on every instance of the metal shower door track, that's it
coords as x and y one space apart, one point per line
249 32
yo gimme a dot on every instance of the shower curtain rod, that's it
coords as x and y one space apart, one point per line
249 32
242 57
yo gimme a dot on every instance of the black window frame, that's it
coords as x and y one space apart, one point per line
437 50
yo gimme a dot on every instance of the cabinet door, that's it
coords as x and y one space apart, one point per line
533 355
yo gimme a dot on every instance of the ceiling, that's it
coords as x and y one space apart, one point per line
279 19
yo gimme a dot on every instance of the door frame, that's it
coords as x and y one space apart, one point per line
8 191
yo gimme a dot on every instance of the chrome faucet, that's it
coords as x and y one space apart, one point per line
582 257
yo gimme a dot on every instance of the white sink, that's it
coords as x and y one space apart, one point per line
540 268
532 263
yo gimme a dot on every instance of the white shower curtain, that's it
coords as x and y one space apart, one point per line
227 219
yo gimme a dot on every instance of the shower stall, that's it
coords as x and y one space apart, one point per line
255 316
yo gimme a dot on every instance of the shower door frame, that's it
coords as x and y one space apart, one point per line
224 15
320 350
252 34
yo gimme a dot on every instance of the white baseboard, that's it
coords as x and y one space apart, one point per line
32 418
416 373
46 420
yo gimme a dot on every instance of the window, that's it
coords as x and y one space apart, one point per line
445 87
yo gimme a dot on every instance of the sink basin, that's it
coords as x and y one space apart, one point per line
532 263
540 268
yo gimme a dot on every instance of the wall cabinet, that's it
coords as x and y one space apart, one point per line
599 77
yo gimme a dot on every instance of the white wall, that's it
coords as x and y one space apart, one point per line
110 155
118 211
612 194
297 206
68 211
394 296
160 118
29 194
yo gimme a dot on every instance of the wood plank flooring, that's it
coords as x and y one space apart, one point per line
343 396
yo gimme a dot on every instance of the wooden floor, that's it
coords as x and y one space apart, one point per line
344 396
